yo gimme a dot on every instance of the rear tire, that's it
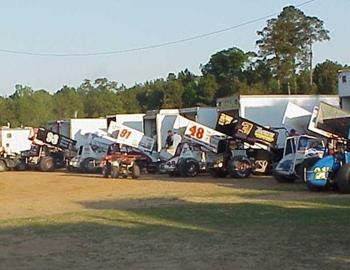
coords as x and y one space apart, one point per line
189 168
239 167
135 171
46 164
342 179
3 167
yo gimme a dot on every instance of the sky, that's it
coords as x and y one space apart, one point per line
84 26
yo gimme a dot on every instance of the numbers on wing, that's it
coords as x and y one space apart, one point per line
197 132
246 128
125 133
52 138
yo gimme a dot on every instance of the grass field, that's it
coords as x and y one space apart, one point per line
62 221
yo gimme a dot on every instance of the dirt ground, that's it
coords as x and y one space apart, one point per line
74 221
32 194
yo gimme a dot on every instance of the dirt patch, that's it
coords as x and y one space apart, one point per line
30 194
71 221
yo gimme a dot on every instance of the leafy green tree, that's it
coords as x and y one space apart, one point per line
207 89
190 95
286 42
32 108
173 92
326 77
43 110
303 85
190 84
314 31
129 101
150 95
7 113
227 67
100 98
68 103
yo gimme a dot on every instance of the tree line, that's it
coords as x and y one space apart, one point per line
281 65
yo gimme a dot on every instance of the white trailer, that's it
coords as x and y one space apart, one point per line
269 110
134 121
14 140
77 128
206 116
157 123
344 89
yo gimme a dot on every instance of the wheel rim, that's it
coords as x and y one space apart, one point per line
241 166
191 169
91 166
49 164
304 174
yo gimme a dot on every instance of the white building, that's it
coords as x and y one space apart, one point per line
344 89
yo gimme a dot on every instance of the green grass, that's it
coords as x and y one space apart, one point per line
312 234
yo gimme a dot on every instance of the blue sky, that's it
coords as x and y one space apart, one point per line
79 26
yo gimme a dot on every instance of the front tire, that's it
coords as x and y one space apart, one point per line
46 164
135 172
189 168
88 165
115 172
3 167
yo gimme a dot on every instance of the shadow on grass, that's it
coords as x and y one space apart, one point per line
258 183
109 235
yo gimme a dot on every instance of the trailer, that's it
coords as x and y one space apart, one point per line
206 116
134 121
157 123
269 110
77 128
15 140
12 142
